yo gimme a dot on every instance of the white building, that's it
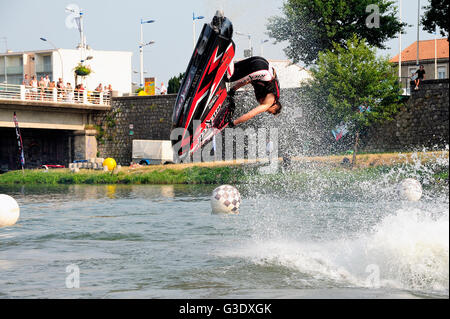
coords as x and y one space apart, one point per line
108 67
290 75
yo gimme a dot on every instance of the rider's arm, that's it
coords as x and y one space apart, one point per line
239 85
263 107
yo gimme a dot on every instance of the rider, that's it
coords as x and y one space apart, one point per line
262 76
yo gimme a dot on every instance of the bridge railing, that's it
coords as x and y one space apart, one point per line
59 95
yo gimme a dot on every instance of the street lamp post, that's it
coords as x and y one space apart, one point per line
400 44
60 57
418 24
249 41
141 51
193 26
262 46
81 29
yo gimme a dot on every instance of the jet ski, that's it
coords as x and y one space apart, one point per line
203 108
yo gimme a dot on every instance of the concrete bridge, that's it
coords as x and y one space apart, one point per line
54 131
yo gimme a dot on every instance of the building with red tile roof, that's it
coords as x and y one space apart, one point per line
433 55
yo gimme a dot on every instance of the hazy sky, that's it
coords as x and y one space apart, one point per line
114 25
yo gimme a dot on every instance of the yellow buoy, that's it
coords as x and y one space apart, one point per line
110 163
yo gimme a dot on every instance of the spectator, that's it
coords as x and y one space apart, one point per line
47 80
60 84
420 76
97 92
50 90
81 92
26 83
162 89
42 87
61 89
34 87
99 88
69 92
76 93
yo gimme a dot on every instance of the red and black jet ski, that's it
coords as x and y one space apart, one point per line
202 108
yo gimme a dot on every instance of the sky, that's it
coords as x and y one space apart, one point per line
115 25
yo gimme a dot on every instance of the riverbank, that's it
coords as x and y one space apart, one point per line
368 166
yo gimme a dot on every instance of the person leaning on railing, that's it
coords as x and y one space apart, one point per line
34 87
26 83
69 92
97 93
41 85
51 86
61 90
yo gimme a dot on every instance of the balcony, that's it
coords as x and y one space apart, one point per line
43 68
14 69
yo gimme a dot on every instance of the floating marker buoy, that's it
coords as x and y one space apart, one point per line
9 210
410 189
110 163
225 199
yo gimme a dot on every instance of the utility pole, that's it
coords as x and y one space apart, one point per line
141 52
400 44
193 27
418 24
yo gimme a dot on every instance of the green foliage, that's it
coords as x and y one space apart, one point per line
193 175
100 134
311 26
138 90
436 15
174 84
82 70
349 76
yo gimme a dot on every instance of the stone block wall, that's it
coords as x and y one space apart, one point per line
422 123
134 117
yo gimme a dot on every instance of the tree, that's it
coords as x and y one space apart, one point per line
174 84
351 76
436 15
311 26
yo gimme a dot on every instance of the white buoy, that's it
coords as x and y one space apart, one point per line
9 211
225 199
410 189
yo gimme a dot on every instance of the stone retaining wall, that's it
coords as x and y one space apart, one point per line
422 122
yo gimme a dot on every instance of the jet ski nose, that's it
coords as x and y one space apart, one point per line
218 19
219 13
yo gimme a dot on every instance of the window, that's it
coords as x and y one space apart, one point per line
442 72
412 70
47 62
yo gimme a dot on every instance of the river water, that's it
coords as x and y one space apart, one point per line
163 242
